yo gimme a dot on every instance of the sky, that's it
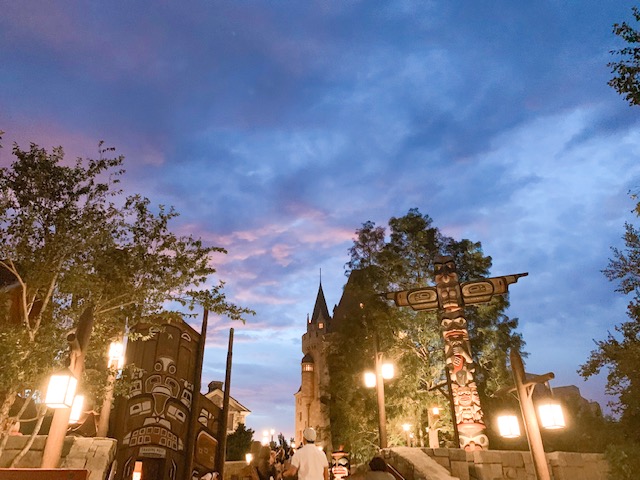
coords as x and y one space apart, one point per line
276 129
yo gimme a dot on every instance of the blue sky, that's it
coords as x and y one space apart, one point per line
277 128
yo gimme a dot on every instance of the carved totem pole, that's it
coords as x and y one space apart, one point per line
449 297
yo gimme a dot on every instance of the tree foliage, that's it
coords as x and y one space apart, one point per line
70 241
412 340
626 80
619 353
239 443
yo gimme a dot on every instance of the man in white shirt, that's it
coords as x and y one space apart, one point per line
309 462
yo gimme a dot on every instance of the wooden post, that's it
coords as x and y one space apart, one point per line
78 342
195 403
529 416
221 454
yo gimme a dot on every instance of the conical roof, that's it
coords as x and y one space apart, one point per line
320 310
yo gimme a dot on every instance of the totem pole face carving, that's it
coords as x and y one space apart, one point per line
447 286
457 352
468 404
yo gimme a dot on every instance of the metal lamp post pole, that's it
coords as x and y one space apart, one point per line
382 417
78 342
531 426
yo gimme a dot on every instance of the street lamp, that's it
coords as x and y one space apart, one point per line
114 363
384 371
76 409
550 417
61 390
407 429
434 417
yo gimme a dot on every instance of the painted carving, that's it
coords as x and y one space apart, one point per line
449 297
156 413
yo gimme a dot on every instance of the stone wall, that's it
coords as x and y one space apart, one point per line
93 454
505 465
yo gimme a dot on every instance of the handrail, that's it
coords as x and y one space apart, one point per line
394 471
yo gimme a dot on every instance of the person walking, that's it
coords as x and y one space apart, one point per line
309 462
378 470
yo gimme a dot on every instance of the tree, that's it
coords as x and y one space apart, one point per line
619 353
627 69
239 443
71 241
413 340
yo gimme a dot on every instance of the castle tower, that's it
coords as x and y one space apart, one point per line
312 399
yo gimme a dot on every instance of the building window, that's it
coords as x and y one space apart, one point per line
321 325
307 367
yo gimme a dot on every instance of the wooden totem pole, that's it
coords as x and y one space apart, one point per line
449 297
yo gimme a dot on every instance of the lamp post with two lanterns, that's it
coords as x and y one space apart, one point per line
376 379
550 414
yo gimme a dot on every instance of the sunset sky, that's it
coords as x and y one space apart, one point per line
276 128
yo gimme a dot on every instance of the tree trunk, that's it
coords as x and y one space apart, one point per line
5 426
36 430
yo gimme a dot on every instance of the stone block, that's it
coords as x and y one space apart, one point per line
72 461
16 442
460 470
7 458
30 460
486 456
512 459
458 455
444 461
488 471
441 452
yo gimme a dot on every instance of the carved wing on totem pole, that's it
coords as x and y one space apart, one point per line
473 292
481 291
417 298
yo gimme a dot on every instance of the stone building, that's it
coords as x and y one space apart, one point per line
312 400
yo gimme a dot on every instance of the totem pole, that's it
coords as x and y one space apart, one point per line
449 297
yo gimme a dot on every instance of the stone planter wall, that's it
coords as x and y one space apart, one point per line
507 465
93 454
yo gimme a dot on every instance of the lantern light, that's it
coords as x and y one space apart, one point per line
369 379
137 471
248 457
387 371
116 355
76 409
406 427
551 416
508 426
61 390
435 410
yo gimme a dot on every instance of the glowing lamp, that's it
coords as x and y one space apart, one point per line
248 457
76 409
387 371
551 416
137 471
116 355
369 379
508 426
406 427
435 411
61 390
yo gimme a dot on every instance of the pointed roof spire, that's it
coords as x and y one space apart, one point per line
320 310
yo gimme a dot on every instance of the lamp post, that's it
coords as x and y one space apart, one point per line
78 341
376 379
116 359
407 432
509 425
434 417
